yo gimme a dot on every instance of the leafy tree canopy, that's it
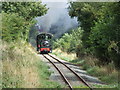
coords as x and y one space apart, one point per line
18 17
28 10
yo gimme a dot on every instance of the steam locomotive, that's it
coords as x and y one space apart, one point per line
44 42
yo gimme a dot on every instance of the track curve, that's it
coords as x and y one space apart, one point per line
63 76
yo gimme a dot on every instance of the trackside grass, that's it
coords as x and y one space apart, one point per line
107 74
22 67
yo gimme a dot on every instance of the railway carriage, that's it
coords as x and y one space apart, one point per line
44 42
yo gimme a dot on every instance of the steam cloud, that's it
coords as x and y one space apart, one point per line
57 20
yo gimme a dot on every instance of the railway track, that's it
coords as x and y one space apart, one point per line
66 80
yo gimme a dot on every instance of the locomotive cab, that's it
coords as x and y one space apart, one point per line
44 42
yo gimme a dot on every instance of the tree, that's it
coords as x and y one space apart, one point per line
70 41
87 14
105 36
28 10
13 27
101 25
19 16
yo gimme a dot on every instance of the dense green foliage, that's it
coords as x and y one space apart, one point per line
105 35
101 30
69 42
87 14
18 18
28 10
13 27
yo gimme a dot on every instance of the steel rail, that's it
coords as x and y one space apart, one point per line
65 79
81 79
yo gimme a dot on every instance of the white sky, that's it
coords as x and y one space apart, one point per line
80 0
60 0
54 0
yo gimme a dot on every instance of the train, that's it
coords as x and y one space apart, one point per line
44 42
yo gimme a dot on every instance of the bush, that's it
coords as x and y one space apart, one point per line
14 27
69 41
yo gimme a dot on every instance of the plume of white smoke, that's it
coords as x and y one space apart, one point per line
57 19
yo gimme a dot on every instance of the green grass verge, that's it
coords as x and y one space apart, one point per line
44 76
